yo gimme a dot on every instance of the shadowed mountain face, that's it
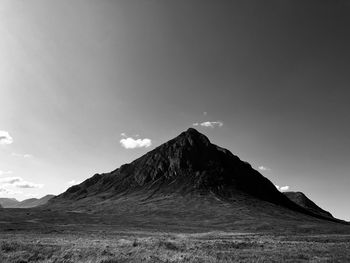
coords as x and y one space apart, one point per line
189 163
188 172
303 201
27 203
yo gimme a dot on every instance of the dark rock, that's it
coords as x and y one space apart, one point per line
184 165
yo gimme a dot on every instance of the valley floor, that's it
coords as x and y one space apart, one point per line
44 235
141 246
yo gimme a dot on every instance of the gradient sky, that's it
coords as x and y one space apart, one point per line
74 75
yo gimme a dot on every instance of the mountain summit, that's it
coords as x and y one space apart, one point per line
185 164
188 166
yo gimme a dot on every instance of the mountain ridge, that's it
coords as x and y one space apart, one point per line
302 200
27 203
8 202
189 164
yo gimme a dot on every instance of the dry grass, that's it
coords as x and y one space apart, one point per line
165 247
171 230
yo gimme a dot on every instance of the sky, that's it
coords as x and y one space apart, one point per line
86 86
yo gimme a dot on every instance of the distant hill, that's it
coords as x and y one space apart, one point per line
187 180
302 200
8 202
28 203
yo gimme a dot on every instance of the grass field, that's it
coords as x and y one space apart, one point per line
171 247
170 230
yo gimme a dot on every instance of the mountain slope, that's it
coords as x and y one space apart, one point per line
8 202
185 176
27 203
189 163
303 201
34 202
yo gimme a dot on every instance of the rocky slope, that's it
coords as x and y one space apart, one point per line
186 175
189 163
303 201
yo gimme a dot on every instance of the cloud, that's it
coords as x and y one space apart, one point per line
73 182
5 138
26 155
9 191
130 143
18 182
10 180
209 124
5 173
282 188
24 184
31 195
264 168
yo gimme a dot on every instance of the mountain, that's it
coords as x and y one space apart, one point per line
27 203
189 163
187 180
303 201
8 202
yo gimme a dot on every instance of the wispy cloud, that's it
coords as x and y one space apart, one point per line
25 184
282 188
5 138
209 124
25 155
31 195
131 143
18 182
6 191
73 182
10 180
264 168
5 172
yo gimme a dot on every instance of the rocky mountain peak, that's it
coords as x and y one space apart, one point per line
188 163
194 138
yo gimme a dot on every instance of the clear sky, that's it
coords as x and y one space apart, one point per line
273 75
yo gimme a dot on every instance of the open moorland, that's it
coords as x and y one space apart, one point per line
157 246
185 201
42 235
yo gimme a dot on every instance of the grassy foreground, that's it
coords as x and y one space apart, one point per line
170 247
